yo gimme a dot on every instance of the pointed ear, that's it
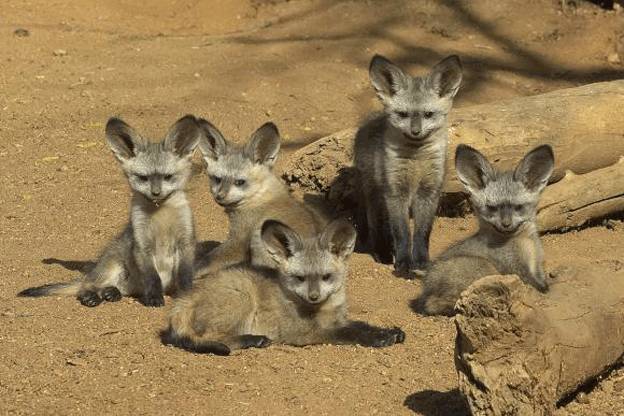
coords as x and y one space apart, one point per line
535 168
339 238
473 169
279 240
212 144
446 76
183 137
386 77
123 140
264 145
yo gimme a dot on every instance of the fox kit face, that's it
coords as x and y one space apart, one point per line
417 107
505 200
237 172
155 170
311 269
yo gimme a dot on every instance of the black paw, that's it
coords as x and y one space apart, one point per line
403 267
383 257
421 264
89 298
390 336
111 294
154 302
254 341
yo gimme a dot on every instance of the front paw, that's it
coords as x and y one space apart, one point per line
89 298
255 341
153 302
390 336
111 294
403 267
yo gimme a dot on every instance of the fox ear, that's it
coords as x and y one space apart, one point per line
386 77
123 140
212 144
445 77
535 168
279 240
183 137
473 169
264 145
339 238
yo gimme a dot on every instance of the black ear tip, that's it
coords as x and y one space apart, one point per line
377 60
463 148
269 126
268 224
454 59
113 123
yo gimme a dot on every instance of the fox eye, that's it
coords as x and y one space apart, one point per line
518 207
326 277
403 114
216 179
428 114
168 177
240 182
491 208
300 278
142 178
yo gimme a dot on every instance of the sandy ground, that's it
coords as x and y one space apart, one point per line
239 63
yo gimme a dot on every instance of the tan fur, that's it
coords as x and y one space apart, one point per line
507 241
300 301
264 197
155 252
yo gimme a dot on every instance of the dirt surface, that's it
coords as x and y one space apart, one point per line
239 63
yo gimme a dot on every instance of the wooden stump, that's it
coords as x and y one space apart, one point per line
519 352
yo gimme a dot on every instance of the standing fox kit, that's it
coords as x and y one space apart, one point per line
507 241
298 301
401 155
242 181
154 254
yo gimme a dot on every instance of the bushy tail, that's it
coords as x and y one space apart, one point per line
182 335
51 289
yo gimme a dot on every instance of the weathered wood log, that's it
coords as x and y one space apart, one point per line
585 126
578 198
519 352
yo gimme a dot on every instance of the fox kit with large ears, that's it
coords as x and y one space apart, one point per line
155 252
401 157
507 242
299 300
242 181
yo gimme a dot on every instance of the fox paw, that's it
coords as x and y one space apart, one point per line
111 294
154 302
89 299
254 341
403 267
390 336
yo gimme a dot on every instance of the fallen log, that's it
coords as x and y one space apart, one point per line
585 126
519 352
578 198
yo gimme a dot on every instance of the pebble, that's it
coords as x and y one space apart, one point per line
614 58
21 32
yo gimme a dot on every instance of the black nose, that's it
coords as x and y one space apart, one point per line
314 296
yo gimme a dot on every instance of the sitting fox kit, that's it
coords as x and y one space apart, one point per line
507 241
401 155
155 252
298 301
242 180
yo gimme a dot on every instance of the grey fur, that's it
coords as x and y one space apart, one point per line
155 252
300 301
401 156
507 241
244 183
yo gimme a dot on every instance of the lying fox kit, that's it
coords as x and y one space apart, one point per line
507 241
298 301
401 157
155 252
242 181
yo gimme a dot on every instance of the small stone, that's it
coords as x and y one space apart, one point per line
614 58
59 52
582 398
21 32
